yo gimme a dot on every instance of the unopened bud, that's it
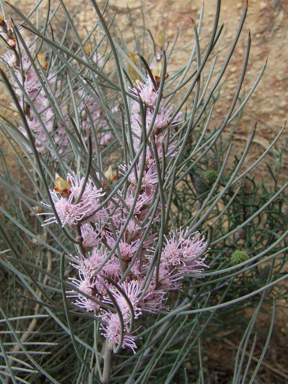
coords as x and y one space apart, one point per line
87 49
160 39
42 61
2 20
110 175
62 186
157 72
12 43
133 74
37 209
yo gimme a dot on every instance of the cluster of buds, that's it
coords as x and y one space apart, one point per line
123 271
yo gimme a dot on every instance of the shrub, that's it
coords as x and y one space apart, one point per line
125 223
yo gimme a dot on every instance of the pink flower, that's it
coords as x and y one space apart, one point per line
149 178
90 236
93 262
86 285
127 251
104 134
161 121
70 213
192 245
179 252
172 251
168 279
112 268
111 330
153 298
143 201
133 291
146 92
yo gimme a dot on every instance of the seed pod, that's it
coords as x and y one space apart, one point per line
246 187
199 185
241 234
213 163
238 257
285 211
211 176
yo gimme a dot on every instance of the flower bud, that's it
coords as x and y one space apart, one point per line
62 186
110 175
158 69
12 43
160 39
42 61
37 209
87 49
133 74
3 27
157 72
238 257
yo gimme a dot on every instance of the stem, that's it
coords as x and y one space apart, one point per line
79 240
107 362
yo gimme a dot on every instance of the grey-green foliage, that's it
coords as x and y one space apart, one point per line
44 338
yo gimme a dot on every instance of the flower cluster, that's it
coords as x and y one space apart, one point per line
27 80
122 273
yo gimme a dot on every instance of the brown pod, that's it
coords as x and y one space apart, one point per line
241 234
247 187
213 163
285 211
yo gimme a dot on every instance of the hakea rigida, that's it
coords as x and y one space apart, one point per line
114 260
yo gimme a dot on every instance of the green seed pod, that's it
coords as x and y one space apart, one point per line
211 176
238 257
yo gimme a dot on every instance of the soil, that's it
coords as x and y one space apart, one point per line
267 24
